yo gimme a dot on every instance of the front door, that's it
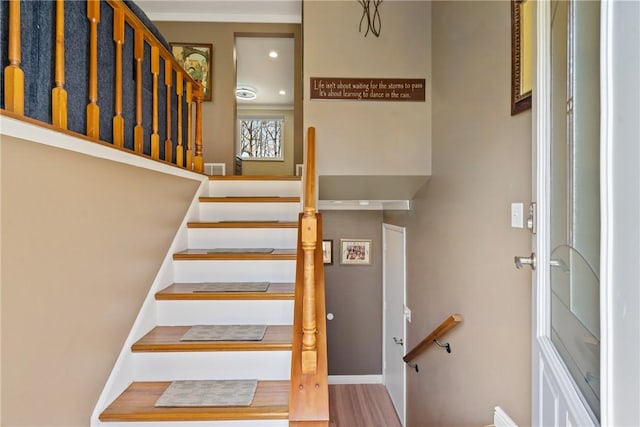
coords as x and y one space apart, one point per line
394 332
566 312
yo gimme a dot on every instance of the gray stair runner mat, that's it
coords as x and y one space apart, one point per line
233 287
194 393
225 333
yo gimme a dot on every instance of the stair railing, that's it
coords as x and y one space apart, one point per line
309 393
14 85
432 338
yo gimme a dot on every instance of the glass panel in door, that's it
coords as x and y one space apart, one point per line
575 193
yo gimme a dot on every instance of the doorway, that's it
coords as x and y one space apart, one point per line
394 327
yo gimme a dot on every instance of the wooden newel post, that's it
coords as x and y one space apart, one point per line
309 240
198 164
59 94
13 74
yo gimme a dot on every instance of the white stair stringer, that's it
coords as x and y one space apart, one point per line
122 372
264 365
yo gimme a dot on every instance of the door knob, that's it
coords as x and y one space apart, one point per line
398 341
521 261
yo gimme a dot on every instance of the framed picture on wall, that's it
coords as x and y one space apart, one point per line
197 60
355 252
327 251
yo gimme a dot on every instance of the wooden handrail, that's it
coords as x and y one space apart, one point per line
123 127
442 329
309 392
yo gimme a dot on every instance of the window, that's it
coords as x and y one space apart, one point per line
260 137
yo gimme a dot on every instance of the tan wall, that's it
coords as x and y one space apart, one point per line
275 167
219 115
459 240
82 240
368 137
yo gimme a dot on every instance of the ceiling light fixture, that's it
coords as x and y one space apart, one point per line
282 92
246 93
273 54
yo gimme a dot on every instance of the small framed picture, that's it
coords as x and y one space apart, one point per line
197 60
355 252
327 251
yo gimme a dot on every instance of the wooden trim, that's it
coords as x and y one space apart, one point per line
155 71
254 178
13 74
139 57
179 92
243 224
58 93
184 291
167 339
201 254
442 329
118 38
137 402
258 199
168 81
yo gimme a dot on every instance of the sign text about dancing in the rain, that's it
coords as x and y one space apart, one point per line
368 89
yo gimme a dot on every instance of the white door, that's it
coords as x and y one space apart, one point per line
394 330
566 283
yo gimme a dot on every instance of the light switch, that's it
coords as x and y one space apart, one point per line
407 313
517 215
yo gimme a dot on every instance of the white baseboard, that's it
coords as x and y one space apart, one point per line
355 379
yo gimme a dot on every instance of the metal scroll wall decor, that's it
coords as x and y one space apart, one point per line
370 16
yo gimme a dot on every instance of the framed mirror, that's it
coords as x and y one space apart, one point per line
521 55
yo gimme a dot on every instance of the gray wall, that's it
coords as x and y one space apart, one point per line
354 296
460 244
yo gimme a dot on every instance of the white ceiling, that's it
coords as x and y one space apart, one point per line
264 74
283 11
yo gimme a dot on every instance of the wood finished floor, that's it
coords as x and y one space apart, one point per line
361 405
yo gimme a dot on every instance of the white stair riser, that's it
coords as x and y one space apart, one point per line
234 271
279 238
219 365
221 312
239 423
241 211
248 188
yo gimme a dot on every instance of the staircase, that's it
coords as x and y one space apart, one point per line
237 217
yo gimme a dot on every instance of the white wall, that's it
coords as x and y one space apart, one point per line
369 137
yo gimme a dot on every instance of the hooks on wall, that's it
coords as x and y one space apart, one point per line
445 345
374 23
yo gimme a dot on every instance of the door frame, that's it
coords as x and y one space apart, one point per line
546 362
402 230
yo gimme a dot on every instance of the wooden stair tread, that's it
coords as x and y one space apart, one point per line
136 403
203 254
255 178
243 224
250 199
184 291
167 339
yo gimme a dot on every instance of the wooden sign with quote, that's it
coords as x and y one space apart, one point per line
368 89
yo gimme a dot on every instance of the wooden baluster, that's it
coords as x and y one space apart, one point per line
309 238
93 111
198 164
179 148
189 164
168 79
155 70
118 38
59 94
138 130
13 74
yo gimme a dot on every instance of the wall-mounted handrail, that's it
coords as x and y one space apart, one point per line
15 84
442 329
